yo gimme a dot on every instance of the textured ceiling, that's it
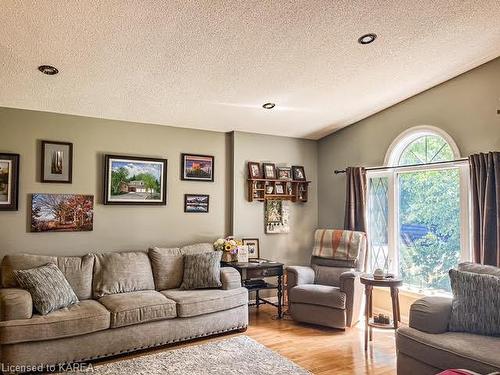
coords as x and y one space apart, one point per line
212 64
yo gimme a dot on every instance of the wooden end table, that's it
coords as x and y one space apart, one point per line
370 282
254 271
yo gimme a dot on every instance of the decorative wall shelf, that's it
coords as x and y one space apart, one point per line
261 189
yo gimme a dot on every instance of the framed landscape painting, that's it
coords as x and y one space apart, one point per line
197 167
62 213
130 180
9 182
57 162
196 203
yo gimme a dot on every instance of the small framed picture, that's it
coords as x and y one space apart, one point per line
279 189
253 247
298 173
269 189
9 182
284 173
57 162
254 170
269 170
197 167
196 203
242 255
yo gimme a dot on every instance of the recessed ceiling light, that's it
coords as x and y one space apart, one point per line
48 69
268 105
367 38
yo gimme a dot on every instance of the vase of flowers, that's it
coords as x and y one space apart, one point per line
229 247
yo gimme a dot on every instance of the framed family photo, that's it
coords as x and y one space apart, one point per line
9 182
284 173
269 171
57 162
197 167
253 247
130 180
254 170
196 203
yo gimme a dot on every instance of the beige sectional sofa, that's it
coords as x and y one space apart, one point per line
123 307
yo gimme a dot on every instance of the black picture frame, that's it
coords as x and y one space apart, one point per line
264 171
108 162
9 182
45 174
200 203
246 241
298 173
185 176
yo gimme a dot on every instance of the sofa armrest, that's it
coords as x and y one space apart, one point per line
297 275
350 284
431 314
230 278
15 304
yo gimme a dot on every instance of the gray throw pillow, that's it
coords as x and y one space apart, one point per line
476 303
202 271
48 287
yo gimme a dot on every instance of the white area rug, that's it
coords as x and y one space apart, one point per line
237 355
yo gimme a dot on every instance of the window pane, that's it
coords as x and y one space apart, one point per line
426 149
429 226
378 217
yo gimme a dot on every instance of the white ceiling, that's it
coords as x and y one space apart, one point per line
212 64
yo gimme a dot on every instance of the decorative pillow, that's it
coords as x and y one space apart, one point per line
202 270
48 287
476 303
167 265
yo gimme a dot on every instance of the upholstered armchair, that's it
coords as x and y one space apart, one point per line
329 292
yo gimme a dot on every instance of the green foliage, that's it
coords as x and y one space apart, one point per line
117 177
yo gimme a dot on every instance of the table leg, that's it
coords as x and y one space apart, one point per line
368 302
395 307
257 299
280 296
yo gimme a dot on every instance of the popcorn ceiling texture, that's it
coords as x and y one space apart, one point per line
212 64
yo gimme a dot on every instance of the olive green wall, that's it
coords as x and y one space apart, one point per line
465 107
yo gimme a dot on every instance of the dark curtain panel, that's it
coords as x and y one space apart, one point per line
355 202
485 192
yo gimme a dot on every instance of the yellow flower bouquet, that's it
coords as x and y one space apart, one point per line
229 247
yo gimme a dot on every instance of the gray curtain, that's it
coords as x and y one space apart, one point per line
485 193
355 202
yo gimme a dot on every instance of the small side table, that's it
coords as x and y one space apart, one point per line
370 282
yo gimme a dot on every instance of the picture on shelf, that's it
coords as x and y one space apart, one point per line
197 167
57 162
269 189
196 203
279 189
254 170
284 173
62 212
298 173
133 180
9 181
269 170
253 247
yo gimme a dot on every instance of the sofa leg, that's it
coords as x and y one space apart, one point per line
241 330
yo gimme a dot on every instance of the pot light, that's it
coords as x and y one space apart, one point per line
367 38
48 69
268 105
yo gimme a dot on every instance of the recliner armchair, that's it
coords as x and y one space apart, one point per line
329 292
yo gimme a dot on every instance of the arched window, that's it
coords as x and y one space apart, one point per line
418 210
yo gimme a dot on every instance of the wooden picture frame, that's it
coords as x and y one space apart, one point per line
269 171
197 167
196 203
253 247
132 180
56 162
284 173
254 170
9 182
298 173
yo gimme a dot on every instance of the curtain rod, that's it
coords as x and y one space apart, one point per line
338 171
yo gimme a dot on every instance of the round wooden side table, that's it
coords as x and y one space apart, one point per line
370 282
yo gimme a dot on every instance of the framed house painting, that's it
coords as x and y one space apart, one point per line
197 167
57 162
9 182
130 180
196 203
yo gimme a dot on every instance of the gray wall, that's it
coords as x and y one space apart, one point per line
465 107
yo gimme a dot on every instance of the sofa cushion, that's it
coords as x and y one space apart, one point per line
479 268
15 303
138 307
168 267
202 271
314 294
324 275
197 248
450 349
199 302
78 319
121 273
77 270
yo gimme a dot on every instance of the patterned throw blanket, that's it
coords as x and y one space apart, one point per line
338 244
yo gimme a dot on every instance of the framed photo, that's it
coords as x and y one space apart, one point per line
197 167
253 247
279 189
269 189
130 180
9 182
62 213
254 170
284 173
242 256
57 162
269 170
196 203
298 173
